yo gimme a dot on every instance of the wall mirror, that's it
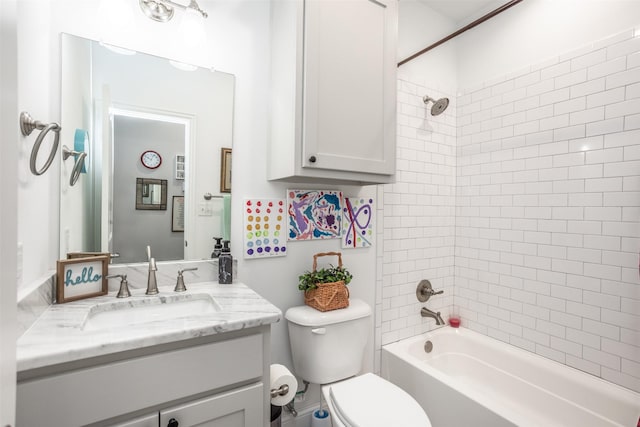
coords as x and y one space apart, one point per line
151 194
157 129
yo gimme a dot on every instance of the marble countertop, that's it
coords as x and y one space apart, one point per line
58 335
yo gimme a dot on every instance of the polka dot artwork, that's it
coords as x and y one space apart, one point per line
357 222
264 225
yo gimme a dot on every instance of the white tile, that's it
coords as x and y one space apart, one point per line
554 96
623 78
632 91
570 79
603 213
603 184
633 60
623 48
605 127
632 122
587 171
629 168
587 88
607 68
587 144
605 156
569 106
625 108
606 97
554 122
589 59
587 116
555 70
601 357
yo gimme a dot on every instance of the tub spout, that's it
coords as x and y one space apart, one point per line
425 312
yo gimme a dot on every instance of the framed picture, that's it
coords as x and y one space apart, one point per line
80 278
177 214
179 169
225 170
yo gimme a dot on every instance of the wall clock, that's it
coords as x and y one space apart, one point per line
151 159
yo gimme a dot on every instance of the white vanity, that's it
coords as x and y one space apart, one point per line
203 360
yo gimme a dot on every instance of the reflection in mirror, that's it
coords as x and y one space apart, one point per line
151 194
131 105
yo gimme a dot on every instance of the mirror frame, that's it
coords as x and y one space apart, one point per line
140 205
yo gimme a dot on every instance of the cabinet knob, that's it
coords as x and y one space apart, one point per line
312 159
173 423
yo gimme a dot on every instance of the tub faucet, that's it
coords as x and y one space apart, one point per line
425 312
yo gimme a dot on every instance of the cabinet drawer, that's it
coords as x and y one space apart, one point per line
101 392
237 408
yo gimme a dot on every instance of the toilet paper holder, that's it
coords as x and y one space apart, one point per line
280 391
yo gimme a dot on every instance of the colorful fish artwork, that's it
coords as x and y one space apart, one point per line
314 214
357 223
264 228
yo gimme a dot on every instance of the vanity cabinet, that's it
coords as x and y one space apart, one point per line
236 408
333 91
214 381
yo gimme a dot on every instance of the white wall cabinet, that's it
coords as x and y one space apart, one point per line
333 91
195 383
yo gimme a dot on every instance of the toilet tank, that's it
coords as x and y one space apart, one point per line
328 346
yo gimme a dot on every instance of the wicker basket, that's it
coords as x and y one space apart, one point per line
327 296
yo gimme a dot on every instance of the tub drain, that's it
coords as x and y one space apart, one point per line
428 346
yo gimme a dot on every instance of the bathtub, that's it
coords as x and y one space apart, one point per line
469 379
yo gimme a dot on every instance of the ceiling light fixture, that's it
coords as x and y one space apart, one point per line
162 10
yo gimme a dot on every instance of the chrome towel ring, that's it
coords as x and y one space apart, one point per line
27 125
79 157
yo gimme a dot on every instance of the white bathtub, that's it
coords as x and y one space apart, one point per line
469 379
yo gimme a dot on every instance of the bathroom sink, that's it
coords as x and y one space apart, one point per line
147 310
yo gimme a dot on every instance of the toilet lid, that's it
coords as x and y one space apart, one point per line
371 401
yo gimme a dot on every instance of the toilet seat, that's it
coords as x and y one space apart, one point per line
371 401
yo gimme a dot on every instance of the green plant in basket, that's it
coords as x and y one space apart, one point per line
310 279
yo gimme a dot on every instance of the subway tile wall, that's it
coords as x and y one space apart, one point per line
418 215
548 209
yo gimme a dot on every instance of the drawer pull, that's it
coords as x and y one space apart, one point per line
173 423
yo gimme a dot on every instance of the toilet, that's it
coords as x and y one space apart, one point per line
328 349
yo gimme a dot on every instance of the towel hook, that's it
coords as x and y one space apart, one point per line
27 125
79 158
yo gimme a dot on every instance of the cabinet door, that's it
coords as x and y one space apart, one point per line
349 105
238 408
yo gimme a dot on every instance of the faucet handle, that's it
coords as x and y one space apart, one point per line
124 285
152 265
424 291
180 287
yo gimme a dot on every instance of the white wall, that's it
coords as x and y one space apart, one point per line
535 30
418 27
8 217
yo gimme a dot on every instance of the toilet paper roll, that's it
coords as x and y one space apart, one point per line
280 376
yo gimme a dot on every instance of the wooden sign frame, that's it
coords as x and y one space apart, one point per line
80 278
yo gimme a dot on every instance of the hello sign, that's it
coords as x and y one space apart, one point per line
81 278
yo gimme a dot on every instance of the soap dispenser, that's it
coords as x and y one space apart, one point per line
225 265
217 249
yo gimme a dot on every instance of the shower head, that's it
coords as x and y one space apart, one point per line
438 106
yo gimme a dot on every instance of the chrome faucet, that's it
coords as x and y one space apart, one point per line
152 283
180 287
425 312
